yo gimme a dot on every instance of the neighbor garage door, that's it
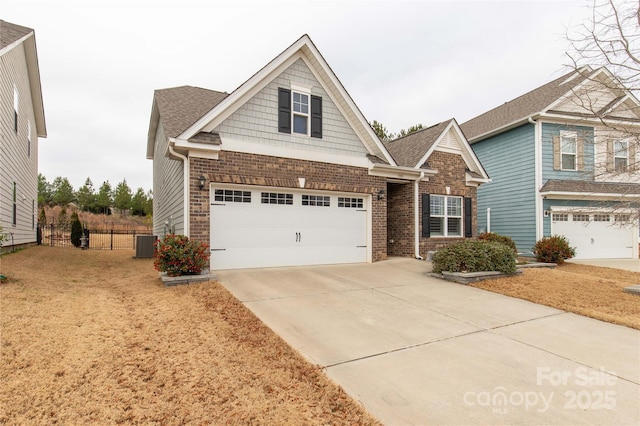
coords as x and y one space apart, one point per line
263 227
596 235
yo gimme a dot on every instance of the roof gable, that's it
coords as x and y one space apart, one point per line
415 149
578 93
12 35
303 49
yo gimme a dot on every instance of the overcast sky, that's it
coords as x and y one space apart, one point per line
403 62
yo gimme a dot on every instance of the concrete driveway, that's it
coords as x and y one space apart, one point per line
418 350
626 264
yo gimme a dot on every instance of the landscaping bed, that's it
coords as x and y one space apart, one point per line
592 291
94 337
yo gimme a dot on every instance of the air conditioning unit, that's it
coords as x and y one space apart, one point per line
145 245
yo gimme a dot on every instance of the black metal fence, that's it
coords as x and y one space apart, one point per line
111 239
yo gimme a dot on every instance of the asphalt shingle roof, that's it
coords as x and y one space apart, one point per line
180 107
408 150
11 32
521 107
590 187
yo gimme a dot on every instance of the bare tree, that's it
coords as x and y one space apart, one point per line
605 53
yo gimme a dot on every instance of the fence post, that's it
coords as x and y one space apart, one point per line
51 236
112 239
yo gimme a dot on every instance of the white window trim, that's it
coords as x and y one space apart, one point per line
616 155
574 136
302 90
446 216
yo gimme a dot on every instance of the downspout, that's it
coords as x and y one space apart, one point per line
416 184
185 161
537 134
488 219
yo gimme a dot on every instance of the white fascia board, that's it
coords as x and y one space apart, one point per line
154 123
516 123
588 196
246 147
11 46
586 121
397 172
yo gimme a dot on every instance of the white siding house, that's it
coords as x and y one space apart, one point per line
22 122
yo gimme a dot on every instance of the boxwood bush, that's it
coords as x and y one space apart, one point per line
553 249
475 256
497 238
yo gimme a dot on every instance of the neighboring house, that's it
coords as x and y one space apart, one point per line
22 122
556 169
285 170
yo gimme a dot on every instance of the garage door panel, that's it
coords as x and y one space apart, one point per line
595 239
255 234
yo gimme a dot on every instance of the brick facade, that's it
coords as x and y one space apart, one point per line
252 169
400 220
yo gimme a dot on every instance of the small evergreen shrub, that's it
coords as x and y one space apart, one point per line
475 256
553 249
497 238
76 229
178 255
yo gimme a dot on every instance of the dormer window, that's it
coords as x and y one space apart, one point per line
299 112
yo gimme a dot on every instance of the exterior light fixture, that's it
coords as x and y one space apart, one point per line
202 181
381 194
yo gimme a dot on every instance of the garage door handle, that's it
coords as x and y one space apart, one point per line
298 237
218 249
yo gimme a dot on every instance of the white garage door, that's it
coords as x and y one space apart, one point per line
596 235
264 227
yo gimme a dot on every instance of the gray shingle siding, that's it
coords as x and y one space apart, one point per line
168 185
257 119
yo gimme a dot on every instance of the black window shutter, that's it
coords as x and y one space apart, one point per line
316 116
284 110
468 212
426 216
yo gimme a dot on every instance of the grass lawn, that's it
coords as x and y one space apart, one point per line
92 337
586 290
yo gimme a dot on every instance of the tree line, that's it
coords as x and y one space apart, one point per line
60 192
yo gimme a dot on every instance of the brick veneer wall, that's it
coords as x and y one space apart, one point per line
253 169
400 222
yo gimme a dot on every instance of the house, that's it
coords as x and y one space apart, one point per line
562 159
285 170
22 122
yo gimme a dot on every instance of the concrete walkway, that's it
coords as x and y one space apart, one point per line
418 350
627 264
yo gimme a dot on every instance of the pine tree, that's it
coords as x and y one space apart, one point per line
76 229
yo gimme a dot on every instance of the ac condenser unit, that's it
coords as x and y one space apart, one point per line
145 244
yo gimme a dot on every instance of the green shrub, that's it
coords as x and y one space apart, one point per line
475 256
554 249
76 229
178 255
497 238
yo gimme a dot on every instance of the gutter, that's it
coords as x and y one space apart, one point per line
416 184
185 190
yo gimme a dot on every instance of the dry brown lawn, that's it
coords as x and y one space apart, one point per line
92 337
586 290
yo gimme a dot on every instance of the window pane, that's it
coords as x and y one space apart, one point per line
436 226
454 206
454 227
300 103
621 164
437 205
621 148
300 124
568 161
568 145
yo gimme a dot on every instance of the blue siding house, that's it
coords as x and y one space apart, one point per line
562 159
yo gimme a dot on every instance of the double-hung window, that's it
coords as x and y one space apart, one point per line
568 150
621 156
300 113
15 108
446 216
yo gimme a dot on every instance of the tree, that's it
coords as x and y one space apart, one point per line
86 197
410 130
381 131
63 220
139 203
104 199
62 191
610 39
45 192
76 229
43 217
122 197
